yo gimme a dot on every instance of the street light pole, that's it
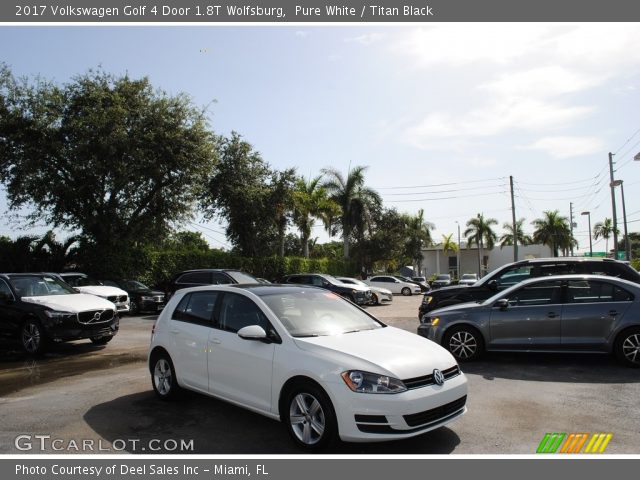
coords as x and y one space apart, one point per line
458 256
613 208
588 214
627 250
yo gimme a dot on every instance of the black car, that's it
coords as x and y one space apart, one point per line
141 297
357 294
207 276
37 309
517 272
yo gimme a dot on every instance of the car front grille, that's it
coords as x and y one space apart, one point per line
91 317
426 380
435 415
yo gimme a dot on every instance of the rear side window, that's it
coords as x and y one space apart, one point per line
218 278
581 291
612 270
196 307
195 277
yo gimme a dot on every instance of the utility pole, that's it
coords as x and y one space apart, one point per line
515 225
571 226
613 207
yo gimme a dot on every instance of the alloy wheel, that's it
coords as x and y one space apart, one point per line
631 348
162 377
31 338
463 344
307 418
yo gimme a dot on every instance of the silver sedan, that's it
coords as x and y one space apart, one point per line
566 313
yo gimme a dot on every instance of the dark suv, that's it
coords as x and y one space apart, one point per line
37 309
517 272
208 276
357 294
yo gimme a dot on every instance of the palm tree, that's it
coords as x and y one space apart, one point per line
448 245
552 230
479 232
605 230
418 235
311 202
507 238
355 200
60 254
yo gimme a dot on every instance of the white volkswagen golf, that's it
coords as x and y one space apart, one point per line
307 357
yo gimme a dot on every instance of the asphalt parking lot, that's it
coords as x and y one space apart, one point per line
102 396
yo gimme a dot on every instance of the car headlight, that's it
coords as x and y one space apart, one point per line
427 299
434 321
365 382
55 315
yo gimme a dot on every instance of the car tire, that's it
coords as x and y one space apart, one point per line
32 338
101 340
163 377
406 291
309 417
464 343
374 299
627 347
133 308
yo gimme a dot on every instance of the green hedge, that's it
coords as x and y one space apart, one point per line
162 265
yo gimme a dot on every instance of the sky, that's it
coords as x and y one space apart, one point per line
442 114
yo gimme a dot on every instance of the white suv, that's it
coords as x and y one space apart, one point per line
85 284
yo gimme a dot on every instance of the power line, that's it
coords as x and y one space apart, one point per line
444 191
628 140
440 184
447 198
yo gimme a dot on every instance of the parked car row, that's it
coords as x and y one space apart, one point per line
545 305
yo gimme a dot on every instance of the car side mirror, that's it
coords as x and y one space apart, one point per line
493 285
253 332
502 304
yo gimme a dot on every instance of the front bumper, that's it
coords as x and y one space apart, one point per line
66 331
369 417
151 305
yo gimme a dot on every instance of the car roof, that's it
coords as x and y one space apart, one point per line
577 276
259 289
565 259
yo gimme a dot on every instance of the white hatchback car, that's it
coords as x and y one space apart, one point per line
307 357
395 285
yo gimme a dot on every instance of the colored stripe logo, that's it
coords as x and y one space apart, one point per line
574 443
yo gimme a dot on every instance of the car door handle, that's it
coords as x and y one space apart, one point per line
551 315
613 313
215 341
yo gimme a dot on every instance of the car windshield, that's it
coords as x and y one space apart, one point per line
135 285
311 313
40 286
443 277
469 276
87 282
419 279
242 277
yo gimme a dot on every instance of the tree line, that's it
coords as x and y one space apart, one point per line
127 165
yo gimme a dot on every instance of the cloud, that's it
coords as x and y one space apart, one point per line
302 33
366 39
507 115
567 146
542 82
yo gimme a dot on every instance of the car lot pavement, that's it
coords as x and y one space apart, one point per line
81 392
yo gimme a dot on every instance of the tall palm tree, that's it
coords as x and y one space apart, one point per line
311 202
507 238
479 232
356 201
418 235
448 245
604 229
552 230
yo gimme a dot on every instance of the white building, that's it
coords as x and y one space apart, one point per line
435 260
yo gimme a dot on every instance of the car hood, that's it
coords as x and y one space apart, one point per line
148 292
381 290
468 306
73 303
359 288
388 351
101 290
451 288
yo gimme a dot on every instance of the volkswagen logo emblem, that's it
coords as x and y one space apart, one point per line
438 377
